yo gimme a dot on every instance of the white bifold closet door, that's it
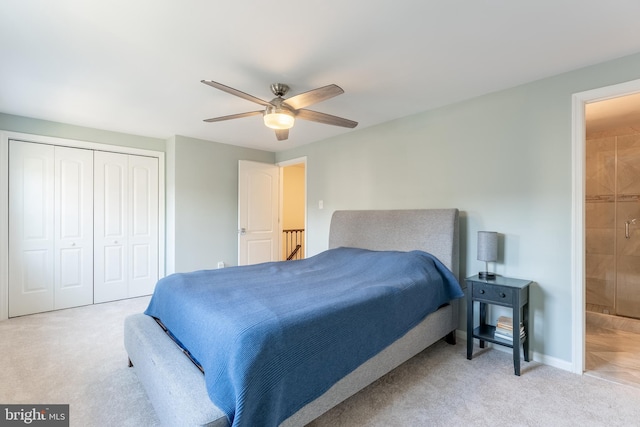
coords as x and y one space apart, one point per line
50 227
125 226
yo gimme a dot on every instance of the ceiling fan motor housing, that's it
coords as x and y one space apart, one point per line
279 89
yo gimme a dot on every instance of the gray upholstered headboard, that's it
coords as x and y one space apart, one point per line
430 230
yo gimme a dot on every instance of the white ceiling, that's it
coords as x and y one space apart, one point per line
135 66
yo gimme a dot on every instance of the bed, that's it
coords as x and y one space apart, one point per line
176 386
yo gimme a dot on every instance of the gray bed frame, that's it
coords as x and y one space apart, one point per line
176 387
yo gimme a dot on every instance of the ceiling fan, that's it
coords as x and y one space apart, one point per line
280 113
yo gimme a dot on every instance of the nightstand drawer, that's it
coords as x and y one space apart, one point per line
497 294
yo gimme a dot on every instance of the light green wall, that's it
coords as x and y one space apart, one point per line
205 194
503 159
21 124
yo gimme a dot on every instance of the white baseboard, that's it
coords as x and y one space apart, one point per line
538 357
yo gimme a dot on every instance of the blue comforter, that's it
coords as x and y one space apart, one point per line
273 337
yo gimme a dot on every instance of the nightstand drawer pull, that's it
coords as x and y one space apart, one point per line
482 291
502 294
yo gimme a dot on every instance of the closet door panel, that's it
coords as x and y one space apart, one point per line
31 228
111 183
143 237
73 227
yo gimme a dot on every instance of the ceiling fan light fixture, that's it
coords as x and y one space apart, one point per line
279 119
280 114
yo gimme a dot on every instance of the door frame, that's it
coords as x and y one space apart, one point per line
5 136
291 162
578 160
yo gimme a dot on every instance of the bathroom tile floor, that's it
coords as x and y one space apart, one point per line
613 349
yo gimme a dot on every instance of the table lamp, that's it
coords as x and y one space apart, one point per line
487 252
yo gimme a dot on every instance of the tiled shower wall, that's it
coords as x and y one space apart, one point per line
613 199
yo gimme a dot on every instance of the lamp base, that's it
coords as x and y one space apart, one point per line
486 275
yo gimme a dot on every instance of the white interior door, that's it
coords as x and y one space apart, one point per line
31 228
111 183
73 228
126 226
51 228
258 229
143 229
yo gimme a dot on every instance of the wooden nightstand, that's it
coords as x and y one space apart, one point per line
507 292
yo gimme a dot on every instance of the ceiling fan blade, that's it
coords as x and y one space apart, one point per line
313 96
282 134
234 116
327 119
236 92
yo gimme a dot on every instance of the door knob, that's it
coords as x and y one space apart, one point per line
242 231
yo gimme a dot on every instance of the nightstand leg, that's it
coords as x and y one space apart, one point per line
525 321
469 323
483 318
516 339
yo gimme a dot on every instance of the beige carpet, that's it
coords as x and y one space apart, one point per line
76 356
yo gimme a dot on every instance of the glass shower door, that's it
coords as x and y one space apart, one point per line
628 226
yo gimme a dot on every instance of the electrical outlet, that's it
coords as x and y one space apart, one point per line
220 264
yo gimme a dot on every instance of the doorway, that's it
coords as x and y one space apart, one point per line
612 206
612 255
293 209
271 211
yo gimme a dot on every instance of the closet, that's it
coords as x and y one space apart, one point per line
126 226
83 226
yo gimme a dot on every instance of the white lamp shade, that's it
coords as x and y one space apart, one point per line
279 120
487 246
